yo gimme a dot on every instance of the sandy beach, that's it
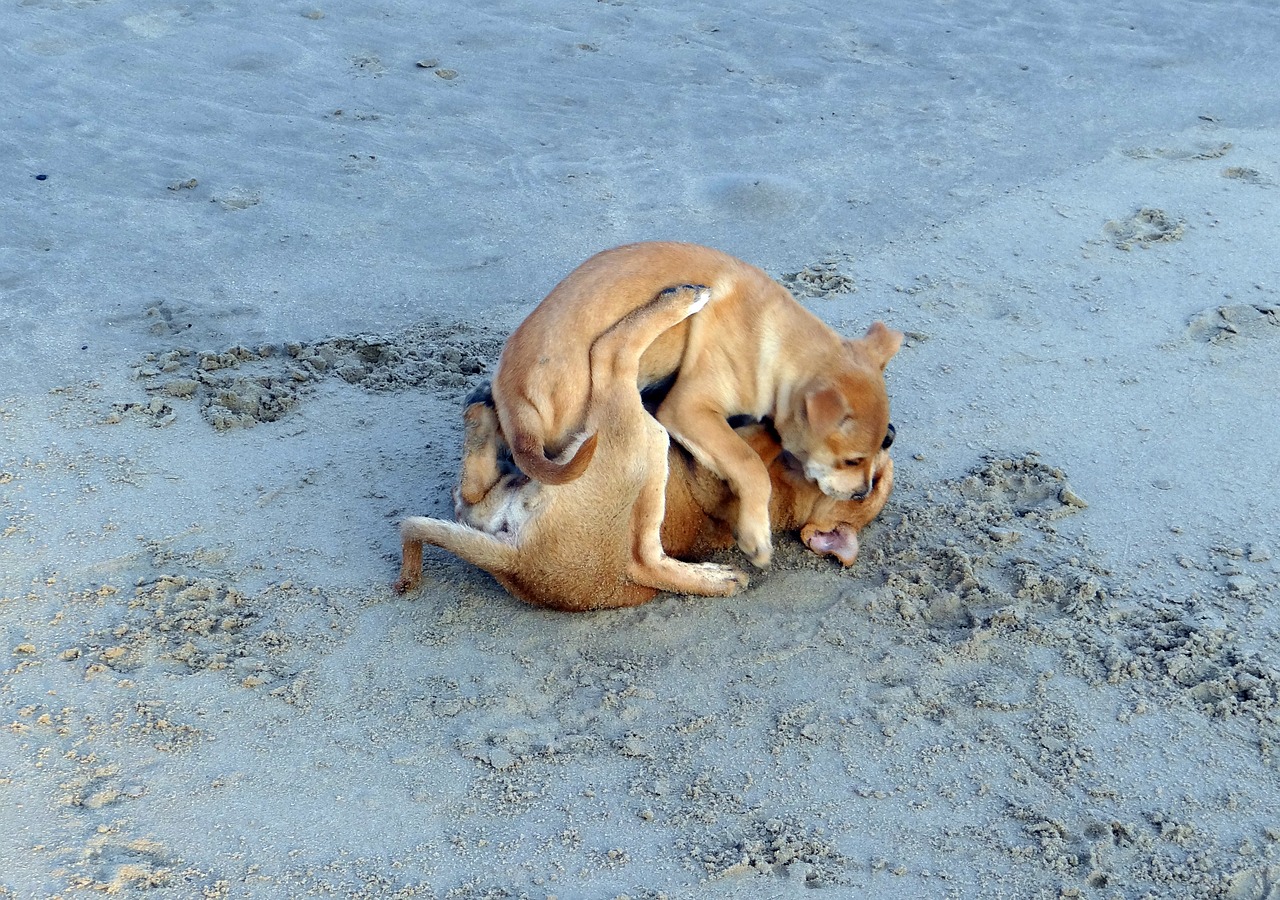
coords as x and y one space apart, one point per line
252 257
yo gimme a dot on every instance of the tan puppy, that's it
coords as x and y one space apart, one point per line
569 548
753 351
590 546
596 541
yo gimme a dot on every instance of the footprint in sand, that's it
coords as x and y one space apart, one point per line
1145 227
242 386
1201 151
1219 324
1247 175
823 279
236 199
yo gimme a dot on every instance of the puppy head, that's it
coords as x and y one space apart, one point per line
833 525
842 423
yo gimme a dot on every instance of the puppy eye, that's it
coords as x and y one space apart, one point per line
850 463
888 437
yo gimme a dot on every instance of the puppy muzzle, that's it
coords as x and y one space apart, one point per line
822 478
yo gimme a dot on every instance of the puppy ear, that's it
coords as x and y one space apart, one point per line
881 343
825 409
840 542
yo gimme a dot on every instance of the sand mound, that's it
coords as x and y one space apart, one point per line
241 387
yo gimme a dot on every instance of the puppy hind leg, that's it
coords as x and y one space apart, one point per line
410 565
476 547
615 364
694 579
652 567
615 354
650 564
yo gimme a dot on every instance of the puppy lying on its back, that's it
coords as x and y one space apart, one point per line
598 541
752 351
700 510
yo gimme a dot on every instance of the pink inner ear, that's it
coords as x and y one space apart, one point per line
842 543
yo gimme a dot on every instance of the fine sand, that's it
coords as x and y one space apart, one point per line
252 258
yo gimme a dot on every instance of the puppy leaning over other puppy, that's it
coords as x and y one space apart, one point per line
752 351
596 541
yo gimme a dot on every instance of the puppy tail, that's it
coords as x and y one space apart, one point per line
531 456
474 546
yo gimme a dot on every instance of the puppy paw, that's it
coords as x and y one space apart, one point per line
726 579
757 545
404 584
700 295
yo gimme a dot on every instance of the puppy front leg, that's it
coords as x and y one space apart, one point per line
869 508
706 434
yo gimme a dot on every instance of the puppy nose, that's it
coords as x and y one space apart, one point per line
888 437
